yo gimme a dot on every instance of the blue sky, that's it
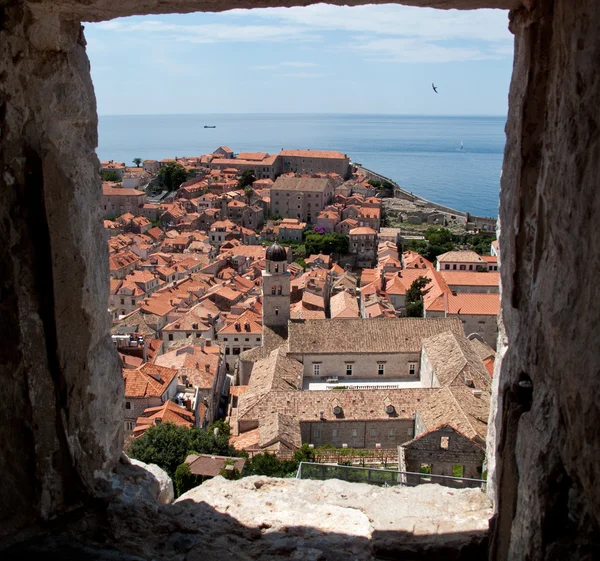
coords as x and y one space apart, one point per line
318 59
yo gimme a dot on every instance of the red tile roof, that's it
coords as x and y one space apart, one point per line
149 380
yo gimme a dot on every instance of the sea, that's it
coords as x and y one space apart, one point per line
422 154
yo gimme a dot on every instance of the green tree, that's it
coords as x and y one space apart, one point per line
326 243
270 465
304 454
137 162
110 176
167 445
436 235
232 474
414 297
184 479
246 178
249 192
173 175
300 261
224 428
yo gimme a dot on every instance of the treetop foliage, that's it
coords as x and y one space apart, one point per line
167 445
173 175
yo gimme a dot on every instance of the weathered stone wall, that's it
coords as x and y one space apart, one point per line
61 392
61 419
368 433
460 452
547 440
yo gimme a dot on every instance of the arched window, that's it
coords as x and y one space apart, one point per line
273 288
276 311
276 267
279 290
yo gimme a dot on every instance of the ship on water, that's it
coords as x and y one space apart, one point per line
210 126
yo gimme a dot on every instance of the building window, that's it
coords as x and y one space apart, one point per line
122 301
447 266
316 369
391 434
276 268
444 442
247 339
463 267
224 338
373 432
128 405
454 267
349 369
381 369
470 267
279 289
335 433
276 311
236 350
354 433
235 338
227 351
273 289
317 434
170 336
412 368
132 302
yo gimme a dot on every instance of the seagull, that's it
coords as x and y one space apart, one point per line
434 88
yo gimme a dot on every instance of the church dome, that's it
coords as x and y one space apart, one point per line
276 253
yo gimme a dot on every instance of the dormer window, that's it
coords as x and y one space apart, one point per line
390 409
337 410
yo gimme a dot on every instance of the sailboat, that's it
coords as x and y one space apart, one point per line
461 144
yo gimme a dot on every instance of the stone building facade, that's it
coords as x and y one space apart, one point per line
119 200
443 451
363 246
300 197
314 161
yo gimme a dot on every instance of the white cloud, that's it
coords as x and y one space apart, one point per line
419 52
391 33
208 33
393 20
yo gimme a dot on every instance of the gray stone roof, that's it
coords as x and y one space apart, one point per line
455 362
311 184
378 335
482 349
367 405
278 428
274 373
458 407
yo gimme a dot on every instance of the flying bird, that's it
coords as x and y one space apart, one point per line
434 88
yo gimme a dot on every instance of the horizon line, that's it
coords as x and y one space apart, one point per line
299 113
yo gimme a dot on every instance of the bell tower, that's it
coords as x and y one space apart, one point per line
276 290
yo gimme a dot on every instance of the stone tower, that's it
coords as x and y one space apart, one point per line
276 290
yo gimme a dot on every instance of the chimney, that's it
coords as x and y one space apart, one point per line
476 393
